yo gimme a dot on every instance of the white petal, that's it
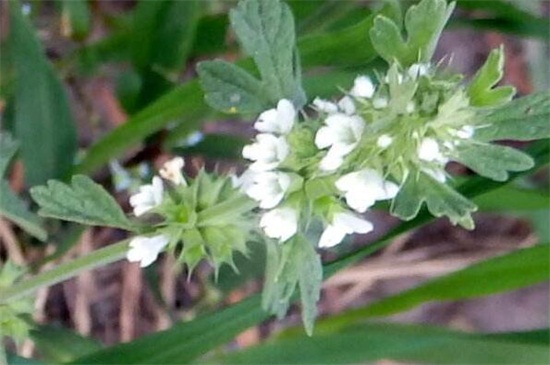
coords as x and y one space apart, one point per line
279 120
379 103
437 174
332 235
324 137
325 106
465 132
287 114
158 190
362 87
429 150
410 107
352 223
146 249
281 223
384 141
171 170
347 105
331 161
267 121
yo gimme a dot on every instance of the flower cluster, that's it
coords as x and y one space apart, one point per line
365 147
207 215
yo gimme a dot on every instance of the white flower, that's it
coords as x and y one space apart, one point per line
281 223
343 224
347 105
243 182
429 151
344 105
384 141
341 133
145 250
325 106
149 197
465 132
268 188
363 188
279 120
379 103
418 69
362 87
171 170
268 152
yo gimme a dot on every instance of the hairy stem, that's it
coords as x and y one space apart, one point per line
65 271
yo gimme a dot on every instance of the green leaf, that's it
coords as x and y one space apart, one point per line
518 269
265 29
369 343
43 122
83 201
58 345
8 148
492 161
185 341
440 199
424 23
523 119
512 199
231 89
310 278
76 18
163 32
481 90
14 209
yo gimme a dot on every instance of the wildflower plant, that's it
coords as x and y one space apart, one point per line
314 169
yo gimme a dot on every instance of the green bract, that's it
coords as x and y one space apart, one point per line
209 218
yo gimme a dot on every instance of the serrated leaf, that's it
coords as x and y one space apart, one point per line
424 23
524 119
440 199
14 209
265 29
481 90
8 148
492 161
231 89
310 278
83 201
43 123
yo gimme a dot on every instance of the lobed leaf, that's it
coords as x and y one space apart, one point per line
523 119
310 278
14 209
231 89
265 29
481 90
424 23
493 161
83 201
440 199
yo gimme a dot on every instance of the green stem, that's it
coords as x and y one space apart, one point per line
98 258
